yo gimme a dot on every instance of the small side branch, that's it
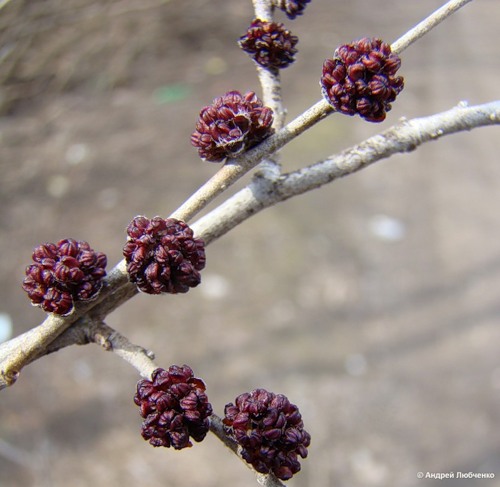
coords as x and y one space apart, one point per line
20 351
260 194
137 356
235 169
88 330
404 137
427 24
3 3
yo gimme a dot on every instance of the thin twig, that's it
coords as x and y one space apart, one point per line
427 24
235 169
263 9
19 351
86 331
270 78
139 357
3 3
404 137
270 82
217 428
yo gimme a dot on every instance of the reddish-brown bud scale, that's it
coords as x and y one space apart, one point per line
292 8
361 79
231 125
174 406
163 256
270 431
64 273
269 44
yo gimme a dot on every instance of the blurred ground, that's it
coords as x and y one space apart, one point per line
372 303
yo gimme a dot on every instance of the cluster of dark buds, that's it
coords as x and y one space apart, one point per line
292 8
163 256
64 273
361 79
270 431
231 125
174 406
269 44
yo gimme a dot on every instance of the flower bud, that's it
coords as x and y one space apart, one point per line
361 79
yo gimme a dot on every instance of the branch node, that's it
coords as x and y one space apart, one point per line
9 377
103 336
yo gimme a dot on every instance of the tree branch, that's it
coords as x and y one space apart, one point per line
232 170
427 24
270 78
19 351
236 168
88 330
3 3
260 194
404 137
23 349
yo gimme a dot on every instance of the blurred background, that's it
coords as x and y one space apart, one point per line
371 303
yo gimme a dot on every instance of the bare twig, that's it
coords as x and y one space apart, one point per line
113 341
21 350
3 3
271 94
404 137
235 169
263 9
427 24
270 82
18 352
86 331
270 78
217 428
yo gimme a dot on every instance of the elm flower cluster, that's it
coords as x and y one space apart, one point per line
231 125
64 273
361 79
292 8
269 44
270 431
163 256
174 406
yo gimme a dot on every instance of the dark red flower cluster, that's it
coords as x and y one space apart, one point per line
361 79
175 407
269 44
64 273
270 431
292 8
163 256
231 125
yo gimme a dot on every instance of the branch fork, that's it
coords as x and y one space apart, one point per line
268 187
